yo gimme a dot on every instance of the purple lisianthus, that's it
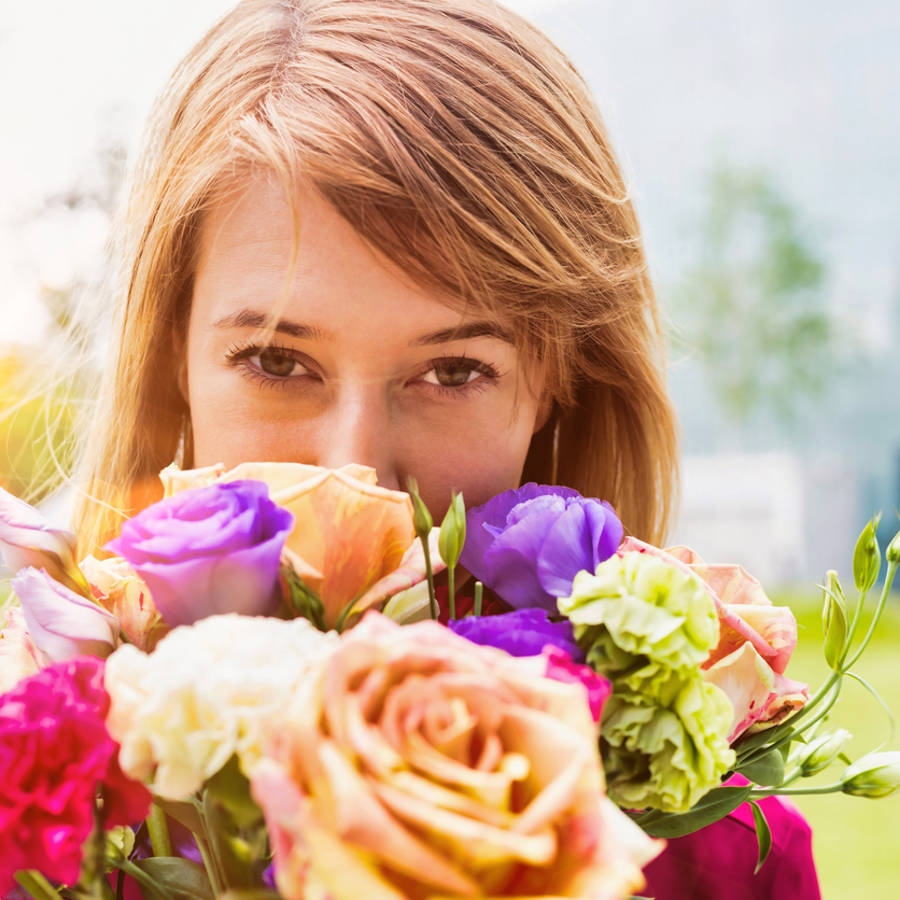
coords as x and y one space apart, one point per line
522 632
208 550
528 544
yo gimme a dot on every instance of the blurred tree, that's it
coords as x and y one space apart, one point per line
751 310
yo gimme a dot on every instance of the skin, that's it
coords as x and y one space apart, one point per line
364 366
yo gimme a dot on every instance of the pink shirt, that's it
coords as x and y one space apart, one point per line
717 862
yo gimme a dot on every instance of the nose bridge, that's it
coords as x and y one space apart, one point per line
358 430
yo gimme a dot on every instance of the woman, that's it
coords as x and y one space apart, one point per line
389 232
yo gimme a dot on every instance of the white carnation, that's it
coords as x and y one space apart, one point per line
207 691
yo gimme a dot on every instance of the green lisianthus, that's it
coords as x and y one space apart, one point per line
637 608
667 756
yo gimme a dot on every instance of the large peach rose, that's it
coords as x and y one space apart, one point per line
417 765
351 541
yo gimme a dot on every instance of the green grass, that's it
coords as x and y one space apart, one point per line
855 840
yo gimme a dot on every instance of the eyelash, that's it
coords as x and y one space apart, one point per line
239 355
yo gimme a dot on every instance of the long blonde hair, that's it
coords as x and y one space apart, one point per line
461 143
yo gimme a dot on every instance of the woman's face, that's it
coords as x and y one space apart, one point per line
362 366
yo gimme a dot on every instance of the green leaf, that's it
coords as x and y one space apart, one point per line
303 600
36 884
173 878
184 813
867 556
239 852
230 788
714 806
749 744
767 769
763 835
834 622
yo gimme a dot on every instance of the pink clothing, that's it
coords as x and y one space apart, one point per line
717 862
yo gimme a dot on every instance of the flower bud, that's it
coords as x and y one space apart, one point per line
820 753
875 775
834 621
892 554
422 521
453 532
867 556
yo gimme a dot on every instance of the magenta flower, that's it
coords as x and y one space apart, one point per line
55 753
561 667
527 545
208 550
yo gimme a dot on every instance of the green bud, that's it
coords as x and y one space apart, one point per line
119 843
820 753
834 621
422 520
453 532
892 554
867 556
875 775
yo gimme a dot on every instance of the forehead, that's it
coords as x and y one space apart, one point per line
297 256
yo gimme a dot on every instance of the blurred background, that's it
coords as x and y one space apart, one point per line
761 141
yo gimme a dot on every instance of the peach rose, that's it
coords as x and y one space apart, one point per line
415 764
120 591
352 540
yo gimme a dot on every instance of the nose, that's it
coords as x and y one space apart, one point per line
357 429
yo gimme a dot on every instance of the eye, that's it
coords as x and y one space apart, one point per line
275 362
452 373
271 364
458 374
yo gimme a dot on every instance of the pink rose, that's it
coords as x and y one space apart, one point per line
417 764
756 640
55 753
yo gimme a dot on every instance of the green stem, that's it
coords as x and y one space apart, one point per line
432 598
138 874
209 864
879 609
795 792
451 586
479 597
158 829
36 885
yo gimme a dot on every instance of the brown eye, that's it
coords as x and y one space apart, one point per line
452 374
275 362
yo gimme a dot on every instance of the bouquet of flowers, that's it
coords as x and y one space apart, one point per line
271 686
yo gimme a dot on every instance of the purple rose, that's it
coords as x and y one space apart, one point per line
209 550
523 632
527 545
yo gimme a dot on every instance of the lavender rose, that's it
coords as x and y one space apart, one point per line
207 551
523 632
528 544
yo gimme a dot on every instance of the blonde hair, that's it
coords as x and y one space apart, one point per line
461 143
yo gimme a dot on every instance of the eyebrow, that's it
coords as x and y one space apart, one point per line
249 318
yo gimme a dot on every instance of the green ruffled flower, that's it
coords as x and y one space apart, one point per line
667 756
637 608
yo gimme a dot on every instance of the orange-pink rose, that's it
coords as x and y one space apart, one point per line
417 765
352 541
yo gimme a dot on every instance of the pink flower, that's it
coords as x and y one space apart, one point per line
756 640
561 667
55 753
415 764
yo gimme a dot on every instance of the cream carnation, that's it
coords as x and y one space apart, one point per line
207 691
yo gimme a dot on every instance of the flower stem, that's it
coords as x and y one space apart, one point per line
158 829
36 885
795 792
451 586
209 864
479 597
882 600
432 597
